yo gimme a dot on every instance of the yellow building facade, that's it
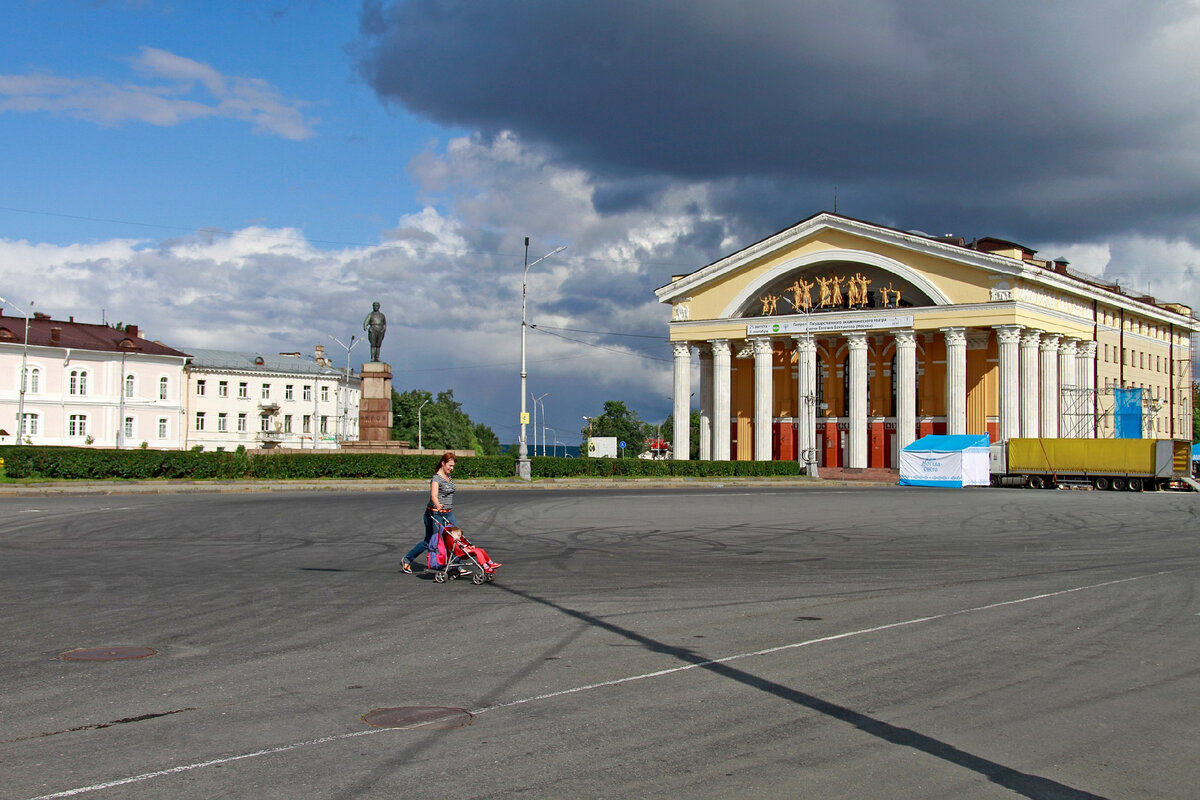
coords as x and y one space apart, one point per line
840 341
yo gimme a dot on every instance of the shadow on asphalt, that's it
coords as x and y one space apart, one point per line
1031 786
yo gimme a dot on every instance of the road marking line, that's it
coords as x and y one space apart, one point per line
575 690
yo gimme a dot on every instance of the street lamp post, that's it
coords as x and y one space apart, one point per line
343 413
537 400
24 373
553 452
523 470
420 441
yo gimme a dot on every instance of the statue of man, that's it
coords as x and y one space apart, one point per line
376 326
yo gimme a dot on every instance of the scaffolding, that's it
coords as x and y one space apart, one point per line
1090 412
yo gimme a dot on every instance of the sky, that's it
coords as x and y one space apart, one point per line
249 175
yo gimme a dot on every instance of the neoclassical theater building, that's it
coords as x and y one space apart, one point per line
840 341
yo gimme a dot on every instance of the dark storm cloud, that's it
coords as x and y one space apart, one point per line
1032 118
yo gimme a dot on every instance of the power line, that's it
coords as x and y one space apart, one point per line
602 333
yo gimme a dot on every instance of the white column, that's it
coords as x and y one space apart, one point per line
1048 381
1085 378
1008 337
721 398
1066 380
906 388
858 400
956 381
1030 340
763 399
806 393
706 401
681 444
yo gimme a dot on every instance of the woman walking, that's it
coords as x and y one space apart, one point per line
439 502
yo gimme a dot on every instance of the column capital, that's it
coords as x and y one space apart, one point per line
762 345
681 349
1031 337
857 340
905 338
956 336
1086 349
1009 334
1050 341
720 347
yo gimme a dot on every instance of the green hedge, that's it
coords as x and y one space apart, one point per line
79 463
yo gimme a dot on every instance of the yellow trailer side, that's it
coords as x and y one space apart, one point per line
1082 456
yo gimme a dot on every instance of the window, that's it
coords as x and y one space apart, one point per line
264 422
78 382
242 423
129 427
243 389
266 391
223 389
324 394
162 389
129 386
162 426
30 425
324 424
287 423
77 425
200 385
307 424
287 392
34 380
307 392
222 422
199 420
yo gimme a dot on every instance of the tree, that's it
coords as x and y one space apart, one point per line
436 423
668 433
1195 412
489 442
624 424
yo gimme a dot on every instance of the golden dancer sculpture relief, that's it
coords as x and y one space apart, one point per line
770 303
802 295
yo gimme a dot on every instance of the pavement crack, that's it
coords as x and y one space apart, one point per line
95 726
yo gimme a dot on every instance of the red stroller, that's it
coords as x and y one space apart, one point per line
453 557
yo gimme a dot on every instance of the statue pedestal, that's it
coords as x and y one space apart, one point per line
375 408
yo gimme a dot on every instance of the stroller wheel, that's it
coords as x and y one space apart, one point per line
489 577
476 578
439 576
453 574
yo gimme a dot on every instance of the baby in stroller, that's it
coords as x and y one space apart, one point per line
461 557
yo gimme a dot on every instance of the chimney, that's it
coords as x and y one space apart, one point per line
132 330
55 334
319 357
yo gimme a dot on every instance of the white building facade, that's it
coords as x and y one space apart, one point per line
88 385
261 401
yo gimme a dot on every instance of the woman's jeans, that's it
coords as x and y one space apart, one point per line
432 522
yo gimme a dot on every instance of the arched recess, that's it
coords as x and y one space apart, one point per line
751 291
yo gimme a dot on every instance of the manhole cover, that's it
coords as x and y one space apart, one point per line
425 717
108 653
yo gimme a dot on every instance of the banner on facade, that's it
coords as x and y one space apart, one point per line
841 324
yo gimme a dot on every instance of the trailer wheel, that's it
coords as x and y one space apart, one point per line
993 481
1135 484
1103 484
1036 482
1118 484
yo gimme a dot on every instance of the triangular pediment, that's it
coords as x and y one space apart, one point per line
834 263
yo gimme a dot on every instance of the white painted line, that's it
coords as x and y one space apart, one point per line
575 690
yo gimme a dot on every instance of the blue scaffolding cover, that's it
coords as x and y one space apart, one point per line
1127 412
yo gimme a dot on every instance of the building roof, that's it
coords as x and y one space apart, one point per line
259 362
69 334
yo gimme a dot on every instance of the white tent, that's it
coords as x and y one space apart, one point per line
945 461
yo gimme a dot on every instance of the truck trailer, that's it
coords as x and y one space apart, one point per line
1114 464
